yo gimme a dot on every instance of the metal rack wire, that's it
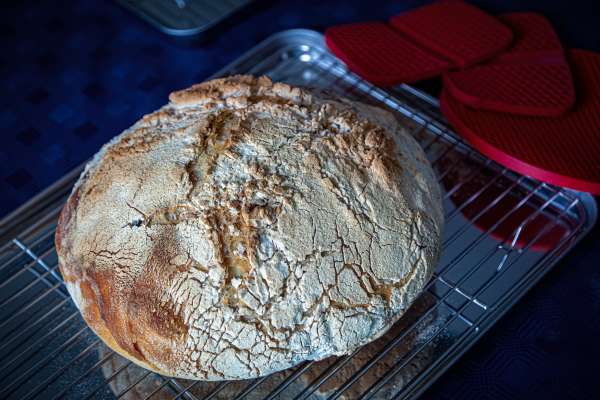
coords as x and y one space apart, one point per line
503 232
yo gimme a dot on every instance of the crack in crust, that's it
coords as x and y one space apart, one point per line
248 226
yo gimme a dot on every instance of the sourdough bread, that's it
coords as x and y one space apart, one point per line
248 226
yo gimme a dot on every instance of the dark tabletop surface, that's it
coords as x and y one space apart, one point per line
74 74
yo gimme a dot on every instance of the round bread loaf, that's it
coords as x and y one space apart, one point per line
248 226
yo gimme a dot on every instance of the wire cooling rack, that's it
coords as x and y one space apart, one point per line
503 232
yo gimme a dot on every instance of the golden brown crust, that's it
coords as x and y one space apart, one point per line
94 299
248 226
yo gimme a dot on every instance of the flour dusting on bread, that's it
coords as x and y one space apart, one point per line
248 226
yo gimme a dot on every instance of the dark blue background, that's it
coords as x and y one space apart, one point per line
74 74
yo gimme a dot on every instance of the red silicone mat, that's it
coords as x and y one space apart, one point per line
532 78
455 30
534 36
381 55
564 151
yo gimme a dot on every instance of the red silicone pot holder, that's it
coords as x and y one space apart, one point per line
380 55
457 31
564 151
424 43
532 78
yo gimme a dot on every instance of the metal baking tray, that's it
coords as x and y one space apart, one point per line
503 232
184 17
